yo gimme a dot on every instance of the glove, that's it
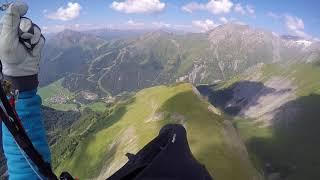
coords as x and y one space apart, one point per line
20 60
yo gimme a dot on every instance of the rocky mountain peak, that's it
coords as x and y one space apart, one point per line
68 38
67 33
229 27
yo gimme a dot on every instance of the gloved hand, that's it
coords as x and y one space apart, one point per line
20 63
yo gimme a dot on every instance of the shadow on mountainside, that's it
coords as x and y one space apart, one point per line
232 99
293 150
109 118
56 121
206 134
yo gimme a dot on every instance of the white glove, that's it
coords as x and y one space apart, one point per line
18 59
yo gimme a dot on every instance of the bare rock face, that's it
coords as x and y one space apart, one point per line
263 106
253 99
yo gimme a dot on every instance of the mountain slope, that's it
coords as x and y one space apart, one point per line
103 140
67 52
275 110
112 66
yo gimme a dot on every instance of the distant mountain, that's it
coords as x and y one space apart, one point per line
111 34
67 52
113 65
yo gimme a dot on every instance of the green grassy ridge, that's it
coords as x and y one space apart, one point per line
305 76
291 146
249 130
292 149
97 106
65 147
128 126
173 54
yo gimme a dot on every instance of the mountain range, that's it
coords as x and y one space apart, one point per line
117 88
111 65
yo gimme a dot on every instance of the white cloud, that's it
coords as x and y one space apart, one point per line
250 9
295 26
193 6
76 27
273 15
138 6
301 33
240 22
213 6
294 23
205 25
161 24
239 9
217 7
247 10
134 23
182 27
70 12
223 20
131 24
54 28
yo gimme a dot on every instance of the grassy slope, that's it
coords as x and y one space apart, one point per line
97 106
305 76
288 146
132 124
195 47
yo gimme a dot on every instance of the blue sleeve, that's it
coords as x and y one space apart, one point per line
28 108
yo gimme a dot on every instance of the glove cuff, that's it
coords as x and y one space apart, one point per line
23 83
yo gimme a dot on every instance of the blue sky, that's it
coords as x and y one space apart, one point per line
295 17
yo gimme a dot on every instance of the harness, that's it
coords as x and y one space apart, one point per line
11 120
